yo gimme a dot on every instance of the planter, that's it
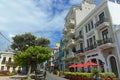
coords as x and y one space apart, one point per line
108 79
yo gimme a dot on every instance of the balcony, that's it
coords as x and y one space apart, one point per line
65 39
3 62
71 43
64 47
9 63
79 38
71 33
104 44
63 58
102 23
70 55
90 47
79 51
64 31
70 26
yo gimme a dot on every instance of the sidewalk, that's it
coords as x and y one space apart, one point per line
51 76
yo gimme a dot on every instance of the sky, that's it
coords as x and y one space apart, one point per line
43 18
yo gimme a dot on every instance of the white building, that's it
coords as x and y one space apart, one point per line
94 35
6 62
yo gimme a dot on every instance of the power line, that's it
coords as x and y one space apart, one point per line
5 37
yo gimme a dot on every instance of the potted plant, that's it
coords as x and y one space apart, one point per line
108 76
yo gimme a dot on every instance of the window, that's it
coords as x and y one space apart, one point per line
86 28
14 69
9 60
94 40
89 27
91 41
80 32
8 68
81 46
92 26
2 68
88 42
4 59
74 49
101 17
105 34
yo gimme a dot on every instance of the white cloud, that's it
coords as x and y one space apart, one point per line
20 16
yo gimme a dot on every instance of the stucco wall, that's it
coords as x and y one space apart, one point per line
114 9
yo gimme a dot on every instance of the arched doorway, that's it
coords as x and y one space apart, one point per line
113 65
101 65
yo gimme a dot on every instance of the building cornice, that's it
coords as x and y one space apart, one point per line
71 9
92 13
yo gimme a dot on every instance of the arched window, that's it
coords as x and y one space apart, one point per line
113 65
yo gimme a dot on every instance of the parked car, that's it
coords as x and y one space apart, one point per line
41 72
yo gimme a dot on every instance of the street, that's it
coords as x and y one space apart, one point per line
50 76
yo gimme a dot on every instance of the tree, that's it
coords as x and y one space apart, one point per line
42 42
32 56
23 41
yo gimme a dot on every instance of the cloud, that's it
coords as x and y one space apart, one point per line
35 16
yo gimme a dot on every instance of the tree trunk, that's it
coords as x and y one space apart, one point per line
29 71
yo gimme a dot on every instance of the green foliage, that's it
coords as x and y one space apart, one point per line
95 70
31 56
11 73
66 70
1 74
23 41
106 74
42 42
88 75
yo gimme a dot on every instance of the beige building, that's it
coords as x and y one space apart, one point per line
6 62
91 37
54 53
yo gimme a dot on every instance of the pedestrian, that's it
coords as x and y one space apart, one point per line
18 71
44 75
96 76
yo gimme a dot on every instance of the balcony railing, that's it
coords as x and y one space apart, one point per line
65 39
70 25
79 51
79 38
90 47
64 31
3 62
71 43
101 21
104 41
71 33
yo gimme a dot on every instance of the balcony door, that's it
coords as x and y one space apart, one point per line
105 34
101 17
113 64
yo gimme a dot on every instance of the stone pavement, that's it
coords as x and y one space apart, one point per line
5 78
51 76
